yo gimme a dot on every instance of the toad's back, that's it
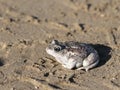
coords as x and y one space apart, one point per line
79 49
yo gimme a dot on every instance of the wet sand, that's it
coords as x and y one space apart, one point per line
28 26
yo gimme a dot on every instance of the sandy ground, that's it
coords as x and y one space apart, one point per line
28 26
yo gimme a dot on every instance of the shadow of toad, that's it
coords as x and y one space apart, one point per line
104 53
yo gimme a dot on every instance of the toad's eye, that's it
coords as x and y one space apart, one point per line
57 49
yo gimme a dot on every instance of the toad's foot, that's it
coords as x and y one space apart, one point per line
89 67
86 69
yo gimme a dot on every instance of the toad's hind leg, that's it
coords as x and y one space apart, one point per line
89 67
91 61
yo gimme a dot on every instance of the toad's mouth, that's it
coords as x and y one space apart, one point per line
50 52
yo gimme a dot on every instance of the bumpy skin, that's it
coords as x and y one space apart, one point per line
73 54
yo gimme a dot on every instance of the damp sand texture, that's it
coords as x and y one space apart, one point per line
28 26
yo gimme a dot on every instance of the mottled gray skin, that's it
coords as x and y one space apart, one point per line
73 54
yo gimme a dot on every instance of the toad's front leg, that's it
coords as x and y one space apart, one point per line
70 64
